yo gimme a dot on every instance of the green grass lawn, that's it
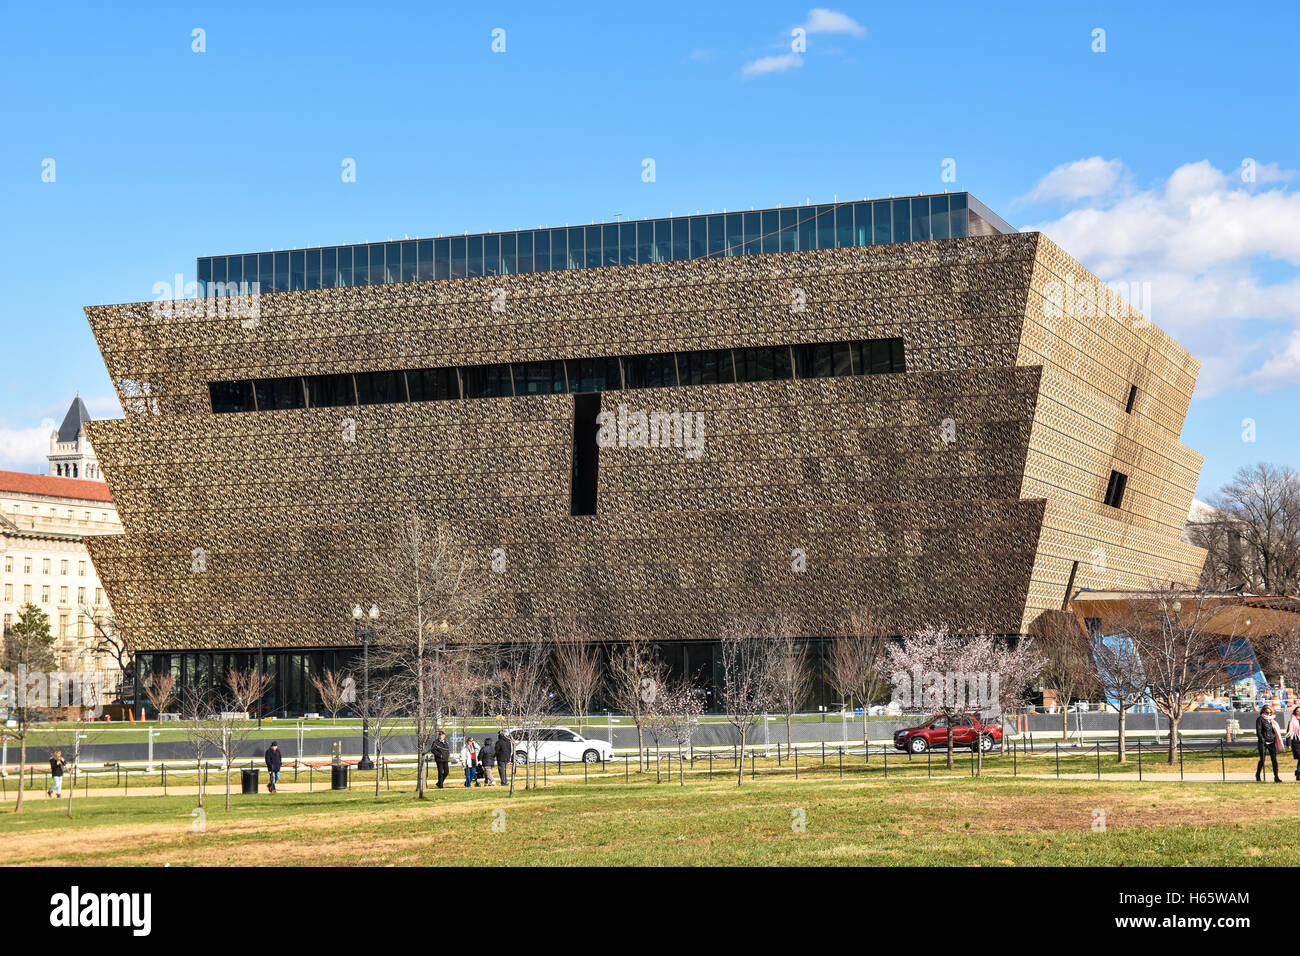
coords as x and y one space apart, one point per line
817 820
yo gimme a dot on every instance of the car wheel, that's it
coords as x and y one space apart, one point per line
918 745
521 758
986 742
590 756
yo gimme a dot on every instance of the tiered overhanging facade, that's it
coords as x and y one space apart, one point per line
969 489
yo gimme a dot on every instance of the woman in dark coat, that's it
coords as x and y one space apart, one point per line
1268 737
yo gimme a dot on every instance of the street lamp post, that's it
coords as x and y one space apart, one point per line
365 763
261 670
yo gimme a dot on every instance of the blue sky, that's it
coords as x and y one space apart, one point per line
1131 158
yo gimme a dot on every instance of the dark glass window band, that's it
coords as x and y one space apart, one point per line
762 363
717 235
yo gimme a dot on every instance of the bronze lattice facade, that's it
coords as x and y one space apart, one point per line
971 488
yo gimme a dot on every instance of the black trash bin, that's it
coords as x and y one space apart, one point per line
248 779
339 778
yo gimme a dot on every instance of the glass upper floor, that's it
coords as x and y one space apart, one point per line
788 229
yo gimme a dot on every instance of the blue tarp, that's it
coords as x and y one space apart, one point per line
1118 649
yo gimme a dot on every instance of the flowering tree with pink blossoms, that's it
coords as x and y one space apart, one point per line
951 675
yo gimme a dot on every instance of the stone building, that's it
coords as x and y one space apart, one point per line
45 522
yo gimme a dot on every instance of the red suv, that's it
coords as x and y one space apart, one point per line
967 731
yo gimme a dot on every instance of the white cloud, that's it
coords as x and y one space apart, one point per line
772 64
1080 179
1219 257
25 449
1281 368
821 20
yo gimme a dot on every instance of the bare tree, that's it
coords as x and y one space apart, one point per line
109 639
245 689
196 716
382 710
635 677
229 726
1120 678
335 690
81 735
749 659
678 707
1068 669
1181 654
429 591
855 663
463 680
576 666
1253 532
522 687
160 689
1282 649
792 677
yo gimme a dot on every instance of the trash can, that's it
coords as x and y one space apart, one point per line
248 779
338 777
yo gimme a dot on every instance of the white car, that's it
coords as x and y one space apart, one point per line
558 743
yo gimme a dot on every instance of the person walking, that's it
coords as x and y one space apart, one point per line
442 757
1268 737
486 757
504 747
1293 735
468 754
56 774
274 759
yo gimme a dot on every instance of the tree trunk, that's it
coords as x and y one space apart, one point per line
788 744
22 763
71 790
1123 757
227 784
949 743
419 757
1173 737
740 779
640 749
1065 723
198 766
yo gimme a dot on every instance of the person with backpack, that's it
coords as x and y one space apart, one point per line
56 774
274 760
468 756
1268 737
486 757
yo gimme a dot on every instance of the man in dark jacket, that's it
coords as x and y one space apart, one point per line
273 761
504 747
441 751
487 757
